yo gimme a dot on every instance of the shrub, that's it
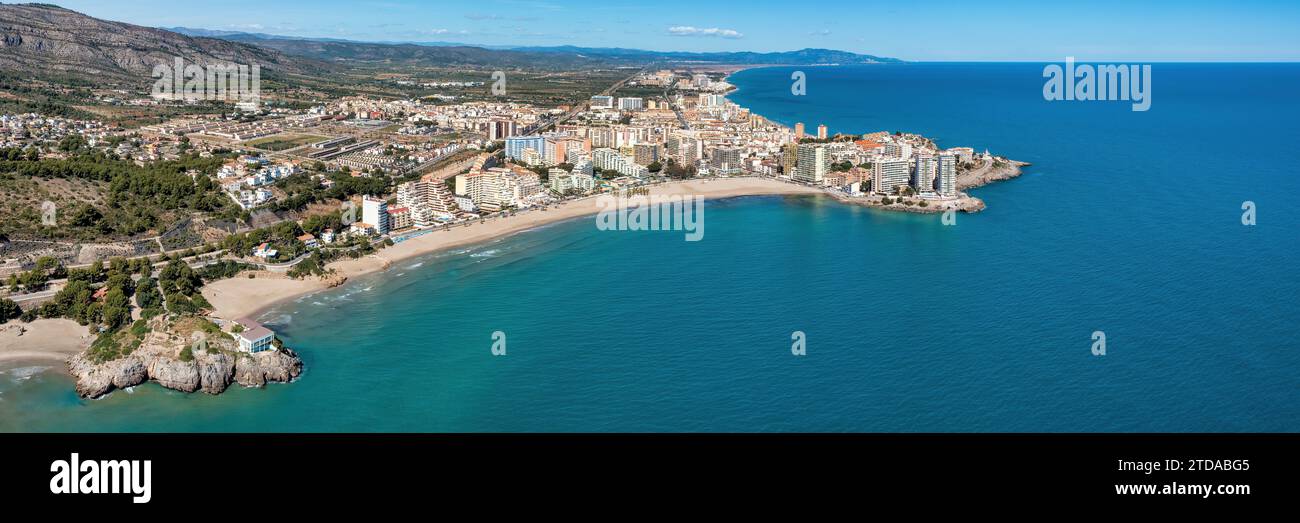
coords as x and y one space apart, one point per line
9 310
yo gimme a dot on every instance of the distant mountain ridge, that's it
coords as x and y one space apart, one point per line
353 49
42 38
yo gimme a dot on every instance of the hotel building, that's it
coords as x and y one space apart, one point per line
374 211
946 180
812 163
888 174
923 174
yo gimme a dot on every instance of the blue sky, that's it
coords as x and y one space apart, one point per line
990 30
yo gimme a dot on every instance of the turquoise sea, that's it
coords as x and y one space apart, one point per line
1128 223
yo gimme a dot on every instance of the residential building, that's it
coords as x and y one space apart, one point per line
727 160
253 337
789 159
923 174
374 211
646 153
888 174
265 251
309 240
516 145
946 179
812 163
428 199
399 218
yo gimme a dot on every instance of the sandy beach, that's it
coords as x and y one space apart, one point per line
240 297
42 340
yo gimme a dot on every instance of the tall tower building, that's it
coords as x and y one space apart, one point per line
812 163
924 173
374 211
946 179
798 131
822 132
789 159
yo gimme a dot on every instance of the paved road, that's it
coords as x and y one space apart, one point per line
582 105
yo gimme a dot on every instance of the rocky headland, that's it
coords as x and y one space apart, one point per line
188 355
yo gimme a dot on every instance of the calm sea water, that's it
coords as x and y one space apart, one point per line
1128 223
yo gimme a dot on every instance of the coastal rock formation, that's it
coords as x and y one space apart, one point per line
989 172
175 374
184 362
215 372
94 380
255 370
211 373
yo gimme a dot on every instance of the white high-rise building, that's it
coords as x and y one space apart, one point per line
630 104
888 174
946 180
374 211
923 174
812 163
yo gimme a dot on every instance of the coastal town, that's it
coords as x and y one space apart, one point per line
286 201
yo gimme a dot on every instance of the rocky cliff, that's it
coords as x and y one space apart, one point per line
210 373
176 355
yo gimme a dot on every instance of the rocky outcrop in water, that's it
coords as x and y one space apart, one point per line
988 171
185 362
210 373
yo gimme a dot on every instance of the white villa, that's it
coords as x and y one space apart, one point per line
254 338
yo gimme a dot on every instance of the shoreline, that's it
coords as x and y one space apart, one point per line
44 341
255 294
242 297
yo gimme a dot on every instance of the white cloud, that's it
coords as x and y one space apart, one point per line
686 30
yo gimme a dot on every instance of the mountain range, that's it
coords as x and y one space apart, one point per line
43 39
333 48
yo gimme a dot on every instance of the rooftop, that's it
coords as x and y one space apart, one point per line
253 331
